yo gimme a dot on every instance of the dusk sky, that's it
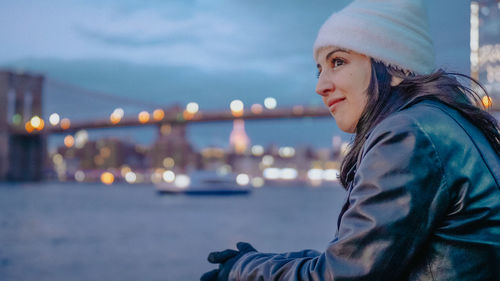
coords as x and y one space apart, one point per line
208 51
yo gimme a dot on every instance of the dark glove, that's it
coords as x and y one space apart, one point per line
226 260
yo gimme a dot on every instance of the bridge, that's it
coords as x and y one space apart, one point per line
23 134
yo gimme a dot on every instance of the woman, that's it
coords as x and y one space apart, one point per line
423 173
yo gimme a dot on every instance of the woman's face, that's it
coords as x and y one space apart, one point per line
343 81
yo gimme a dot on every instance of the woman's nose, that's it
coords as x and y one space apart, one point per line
324 87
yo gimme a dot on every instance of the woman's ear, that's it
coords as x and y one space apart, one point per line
396 81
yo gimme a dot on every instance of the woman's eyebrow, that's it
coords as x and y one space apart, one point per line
336 50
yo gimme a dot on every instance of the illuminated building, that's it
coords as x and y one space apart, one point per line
238 139
485 47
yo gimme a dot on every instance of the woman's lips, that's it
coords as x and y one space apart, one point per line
332 104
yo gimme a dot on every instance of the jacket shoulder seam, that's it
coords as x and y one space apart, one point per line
416 122
470 138
436 151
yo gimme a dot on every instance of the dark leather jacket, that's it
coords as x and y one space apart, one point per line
424 205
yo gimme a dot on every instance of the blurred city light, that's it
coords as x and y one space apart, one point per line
236 107
474 39
192 107
119 112
69 141
35 122
286 152
330 174
256 108
28 127
267 160
168 162
79 176
158 114
315 174
65 123
224 170
130 177
157 176
81 138
270 103
107 178
242 179
288 173
17 119
169 176
124 170
257 150
143 117
187 115
257 182
182 181
487 101
54 119
211 152
116 116
57 159
271 173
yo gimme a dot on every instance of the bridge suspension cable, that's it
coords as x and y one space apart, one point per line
79 91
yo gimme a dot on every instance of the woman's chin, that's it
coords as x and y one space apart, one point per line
346 128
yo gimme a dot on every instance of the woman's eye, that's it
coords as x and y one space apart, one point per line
337 62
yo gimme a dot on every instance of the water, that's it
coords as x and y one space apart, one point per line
56 231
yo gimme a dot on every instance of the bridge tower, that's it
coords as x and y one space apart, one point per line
173 143
21 154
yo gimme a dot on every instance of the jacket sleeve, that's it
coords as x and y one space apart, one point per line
396 199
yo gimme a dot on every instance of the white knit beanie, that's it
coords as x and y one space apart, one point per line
394 32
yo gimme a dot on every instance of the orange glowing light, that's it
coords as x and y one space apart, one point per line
487 101
256 108
65 123
69 141
107 178
115 118
237 113
28 127
158 114
42 125
143 117
187 115
36 123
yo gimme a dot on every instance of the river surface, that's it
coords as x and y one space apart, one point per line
68 231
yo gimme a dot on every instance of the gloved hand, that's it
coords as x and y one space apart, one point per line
226 260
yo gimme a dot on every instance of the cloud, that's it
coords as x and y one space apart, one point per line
132 40
273 37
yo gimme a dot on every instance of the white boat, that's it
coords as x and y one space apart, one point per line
204 183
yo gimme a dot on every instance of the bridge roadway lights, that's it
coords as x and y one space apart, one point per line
210 116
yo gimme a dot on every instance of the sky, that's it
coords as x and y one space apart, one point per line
160 52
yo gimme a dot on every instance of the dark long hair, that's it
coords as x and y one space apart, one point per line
384 99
